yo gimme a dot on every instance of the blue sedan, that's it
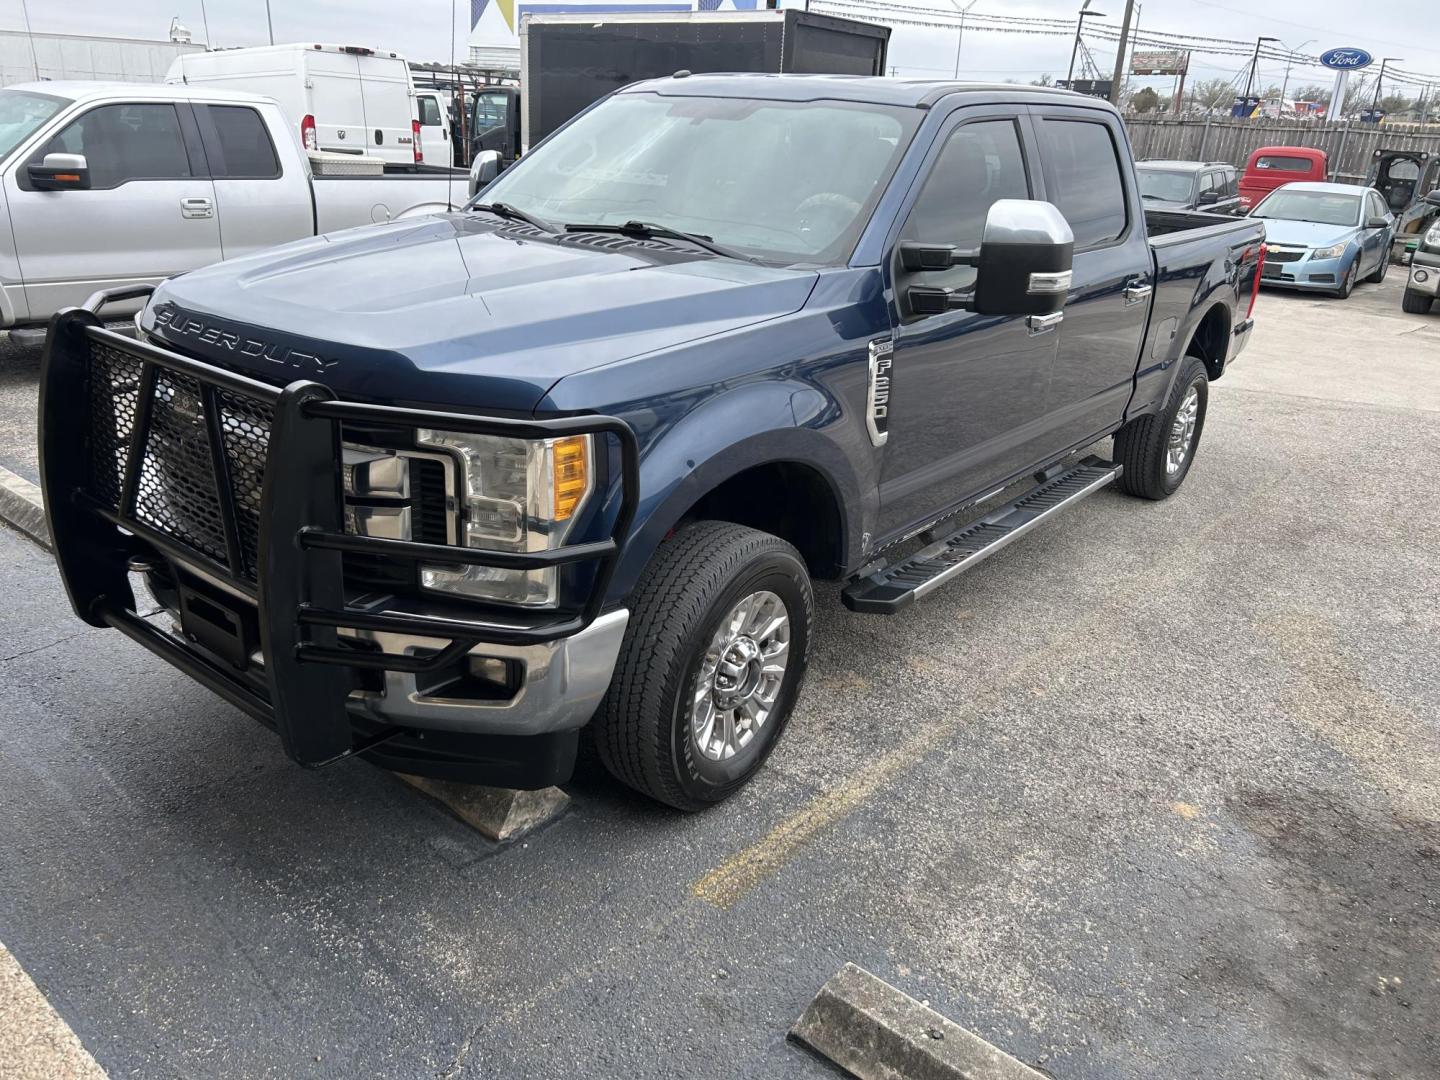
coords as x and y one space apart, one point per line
1325 237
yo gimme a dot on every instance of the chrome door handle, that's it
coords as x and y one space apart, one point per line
1137 291
1043 324
197 208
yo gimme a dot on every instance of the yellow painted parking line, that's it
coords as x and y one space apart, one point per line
35 1044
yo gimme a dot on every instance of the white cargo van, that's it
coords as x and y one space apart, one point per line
343 99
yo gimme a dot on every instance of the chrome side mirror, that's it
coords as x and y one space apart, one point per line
1022 266
483 169
61 172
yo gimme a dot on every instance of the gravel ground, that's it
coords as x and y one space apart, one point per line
1154 792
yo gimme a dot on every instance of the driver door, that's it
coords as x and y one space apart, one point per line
149 212
967 392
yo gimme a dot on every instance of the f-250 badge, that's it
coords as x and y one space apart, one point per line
877 409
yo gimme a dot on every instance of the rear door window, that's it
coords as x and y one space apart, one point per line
1084 179
237 143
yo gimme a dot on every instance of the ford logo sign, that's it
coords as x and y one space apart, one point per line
1346 59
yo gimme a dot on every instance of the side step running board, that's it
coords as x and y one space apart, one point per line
896 586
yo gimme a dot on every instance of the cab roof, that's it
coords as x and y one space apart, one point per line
89 90
870 89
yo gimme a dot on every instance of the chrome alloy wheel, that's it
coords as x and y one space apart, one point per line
1182 433
741 675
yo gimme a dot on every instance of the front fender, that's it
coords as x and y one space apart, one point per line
752 424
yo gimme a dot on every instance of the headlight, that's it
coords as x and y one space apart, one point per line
1334 251
518 495
1432 237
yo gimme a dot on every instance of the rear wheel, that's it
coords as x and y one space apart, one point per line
1416 303
710 667
1378 274
1157 450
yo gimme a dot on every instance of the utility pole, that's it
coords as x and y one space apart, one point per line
1085 13
960 37
269 24
30 36
1120 54
1380 79
1289 62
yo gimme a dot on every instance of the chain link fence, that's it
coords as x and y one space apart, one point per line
1349 145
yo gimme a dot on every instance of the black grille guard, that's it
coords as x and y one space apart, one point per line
297 584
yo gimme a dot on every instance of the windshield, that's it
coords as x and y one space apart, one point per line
1166 185
21 113
780 181
488 112
1322 207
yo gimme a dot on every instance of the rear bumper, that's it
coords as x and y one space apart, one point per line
270 619
1239 338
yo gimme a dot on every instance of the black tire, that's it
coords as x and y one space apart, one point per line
1378 274
1416 303
1142 444
1347 280
642 730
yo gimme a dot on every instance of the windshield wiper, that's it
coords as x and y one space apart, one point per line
648 229
514 213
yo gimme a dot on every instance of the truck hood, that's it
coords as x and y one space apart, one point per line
459 310
1306 234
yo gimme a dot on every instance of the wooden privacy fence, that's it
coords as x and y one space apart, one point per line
1349 145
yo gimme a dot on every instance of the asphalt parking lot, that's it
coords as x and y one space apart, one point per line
1154 792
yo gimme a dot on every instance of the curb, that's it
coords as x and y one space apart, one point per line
22 506
876 1032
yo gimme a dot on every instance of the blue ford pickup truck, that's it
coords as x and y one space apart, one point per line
443 493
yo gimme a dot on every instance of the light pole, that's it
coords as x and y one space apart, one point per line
1289 61
1085 13
1380 79
960 37
1255 67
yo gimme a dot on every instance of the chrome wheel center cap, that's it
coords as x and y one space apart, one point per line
737 674
742 672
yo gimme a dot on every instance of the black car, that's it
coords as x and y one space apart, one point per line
1213 186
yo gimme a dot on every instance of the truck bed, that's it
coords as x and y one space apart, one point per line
1160 224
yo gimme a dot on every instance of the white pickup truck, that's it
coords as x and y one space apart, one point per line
109 185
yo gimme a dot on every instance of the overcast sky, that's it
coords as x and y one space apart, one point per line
421 29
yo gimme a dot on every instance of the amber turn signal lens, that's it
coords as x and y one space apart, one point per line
571 464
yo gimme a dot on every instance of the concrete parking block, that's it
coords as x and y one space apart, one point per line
876 1032
501 814
22 507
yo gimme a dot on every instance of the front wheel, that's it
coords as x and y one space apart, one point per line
710 667
1416 303
1158 449
1347 279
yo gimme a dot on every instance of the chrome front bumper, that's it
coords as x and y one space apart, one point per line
561 685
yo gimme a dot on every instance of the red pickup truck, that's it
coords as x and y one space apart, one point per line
1271 167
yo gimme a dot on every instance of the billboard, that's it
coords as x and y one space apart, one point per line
1159 63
